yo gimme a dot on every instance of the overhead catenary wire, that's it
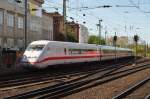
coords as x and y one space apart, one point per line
70 12
138 7
80 18
79 12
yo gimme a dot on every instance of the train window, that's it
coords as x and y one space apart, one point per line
35 47
74 51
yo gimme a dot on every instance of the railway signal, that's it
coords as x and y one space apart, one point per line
100 29
115 38
114 41
136 39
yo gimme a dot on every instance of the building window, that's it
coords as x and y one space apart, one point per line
10 20
10 43
35 25
21 4
20 43
1 20
20 22
1 17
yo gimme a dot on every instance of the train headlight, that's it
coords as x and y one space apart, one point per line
24 57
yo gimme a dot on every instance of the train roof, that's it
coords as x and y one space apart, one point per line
63 43
113 48
79 45
40 42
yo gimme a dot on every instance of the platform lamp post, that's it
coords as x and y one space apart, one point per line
144 49
26 13
115 43
105 37
99 35
65 19
100 29
136 38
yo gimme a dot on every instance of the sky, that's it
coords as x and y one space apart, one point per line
125 17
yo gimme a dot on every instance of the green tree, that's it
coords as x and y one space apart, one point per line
96 40
141 49
71 38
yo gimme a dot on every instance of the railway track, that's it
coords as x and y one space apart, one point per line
51 71
87 74
22 87
139 90
148 96
82 86
6 84
76 85
43 90
46 79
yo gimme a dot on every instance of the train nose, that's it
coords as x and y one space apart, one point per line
28 63
24 58
29 59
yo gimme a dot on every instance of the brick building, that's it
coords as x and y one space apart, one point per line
58 28
73 28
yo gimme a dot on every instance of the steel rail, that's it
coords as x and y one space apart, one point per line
131 89
148 96
64 91
18 82
50 89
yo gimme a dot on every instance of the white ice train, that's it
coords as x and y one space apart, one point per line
44 53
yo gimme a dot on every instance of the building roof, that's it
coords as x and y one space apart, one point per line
40 1
55 14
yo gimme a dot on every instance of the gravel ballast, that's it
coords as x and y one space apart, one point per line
110 89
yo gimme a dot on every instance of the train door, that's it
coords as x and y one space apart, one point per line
66 53
99 54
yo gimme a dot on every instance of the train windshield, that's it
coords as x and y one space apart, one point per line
35 47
